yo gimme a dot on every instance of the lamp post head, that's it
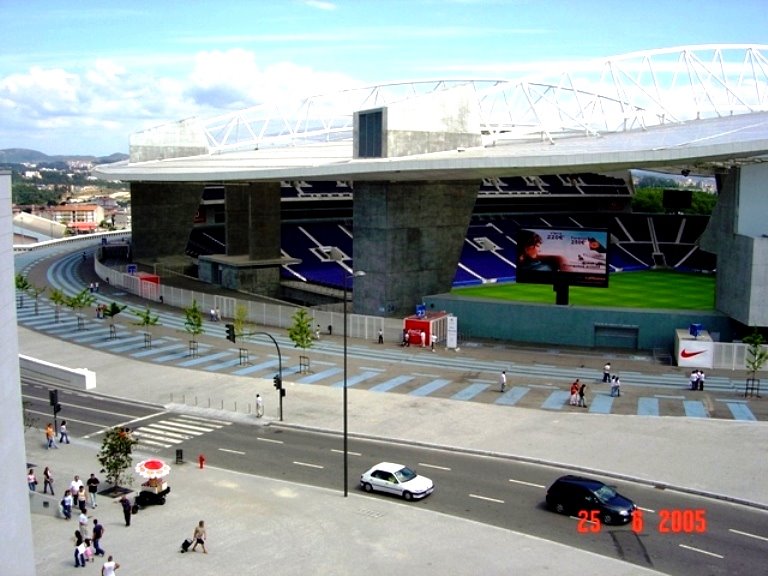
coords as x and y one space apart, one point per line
358 273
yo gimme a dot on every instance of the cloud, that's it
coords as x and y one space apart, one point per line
320 5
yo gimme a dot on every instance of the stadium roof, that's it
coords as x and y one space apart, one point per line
701 107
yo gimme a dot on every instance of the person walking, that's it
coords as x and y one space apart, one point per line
607 372
582 399
66 505
503 381
75 485
574 399
63 434
381 336
615 385
199 536
109 567
47 481
93 488
79 550
32 480
98 534
50 436
700 380
259 406
82 524
433 341
126 504
82 499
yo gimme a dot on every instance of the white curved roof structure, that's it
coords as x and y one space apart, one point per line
695 105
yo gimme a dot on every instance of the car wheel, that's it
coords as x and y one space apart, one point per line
407 495
607 519
559 508
367 487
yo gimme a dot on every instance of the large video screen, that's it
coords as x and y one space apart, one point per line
576 257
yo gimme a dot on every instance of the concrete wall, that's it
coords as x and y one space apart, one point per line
571 325
56 375
408 239
735 233
16 545
163 214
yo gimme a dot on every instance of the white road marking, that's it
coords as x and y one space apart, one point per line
523 483
701 551
348 452
486 498
435 466
308 465
270 440
650 510
739 532
232 451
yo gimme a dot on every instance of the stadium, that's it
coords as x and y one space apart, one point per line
428 185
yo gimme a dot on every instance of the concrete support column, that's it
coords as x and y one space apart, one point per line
237 200
408 239
162 216
736 233
264 220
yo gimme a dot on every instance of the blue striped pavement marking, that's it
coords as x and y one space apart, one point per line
470 391
740 411
231 363
91 336
513 395
319 376
182 353
134 344
203 359
356 379
695 409
393 383
161 350
601 403
647 406
119 342
430 387
268 365
556 400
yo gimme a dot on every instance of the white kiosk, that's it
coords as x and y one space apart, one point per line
694 348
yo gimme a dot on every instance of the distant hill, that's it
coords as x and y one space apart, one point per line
23 156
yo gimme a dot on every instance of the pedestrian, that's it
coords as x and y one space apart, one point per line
694 380
574 399
433 341
63 434
503 381
98 534
88 550
213 315
423 337
93 488
82 499
381 336
109 567
606 372
259 406
700 380
75 485
96 286
406 341
47 481
615 385
582 400
50 436
126 504
82 523
32 480
317 332
66 505
199 536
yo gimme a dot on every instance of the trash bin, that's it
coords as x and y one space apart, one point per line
179 456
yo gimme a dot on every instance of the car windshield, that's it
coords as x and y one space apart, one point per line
405 474
605 493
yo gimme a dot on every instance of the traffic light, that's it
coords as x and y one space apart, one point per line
53 398
56 408
230 332
278 382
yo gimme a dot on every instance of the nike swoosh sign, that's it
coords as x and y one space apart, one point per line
685 354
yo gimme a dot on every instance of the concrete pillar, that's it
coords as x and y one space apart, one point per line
162 216
738 234
264 220
408 239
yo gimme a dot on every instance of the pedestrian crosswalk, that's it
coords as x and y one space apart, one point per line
173 430
538 389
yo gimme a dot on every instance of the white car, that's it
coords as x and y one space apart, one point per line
396 479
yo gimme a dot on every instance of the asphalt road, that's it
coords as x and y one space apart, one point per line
489 490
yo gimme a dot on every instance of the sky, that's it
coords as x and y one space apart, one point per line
78 77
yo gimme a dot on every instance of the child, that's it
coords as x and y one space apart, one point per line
88 551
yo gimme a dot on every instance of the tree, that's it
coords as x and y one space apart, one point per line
757 356
146 321
82 299
115 455
110 312
301 330
37 291
22 287
59 299
240 320
193 322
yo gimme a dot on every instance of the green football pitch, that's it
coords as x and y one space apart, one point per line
646 289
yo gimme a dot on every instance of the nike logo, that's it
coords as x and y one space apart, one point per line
685 354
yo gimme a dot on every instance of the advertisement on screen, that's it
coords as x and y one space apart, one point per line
577 257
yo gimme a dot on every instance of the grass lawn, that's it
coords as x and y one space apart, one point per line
647 289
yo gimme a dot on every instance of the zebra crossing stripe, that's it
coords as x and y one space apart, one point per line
695 409
356 379
556 400
430 387
740 411
470 391
513 396
647 406
392 383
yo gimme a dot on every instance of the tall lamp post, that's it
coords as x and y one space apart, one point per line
355 274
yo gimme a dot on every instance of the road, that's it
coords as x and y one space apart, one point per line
490 490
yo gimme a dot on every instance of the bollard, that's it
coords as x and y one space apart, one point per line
201 460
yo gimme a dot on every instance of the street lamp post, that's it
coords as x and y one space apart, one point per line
354 274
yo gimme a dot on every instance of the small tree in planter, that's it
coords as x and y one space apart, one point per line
36 292
82 299
757 356
193 324
146 321
59 299
110 312
301 331
22 287
115 456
